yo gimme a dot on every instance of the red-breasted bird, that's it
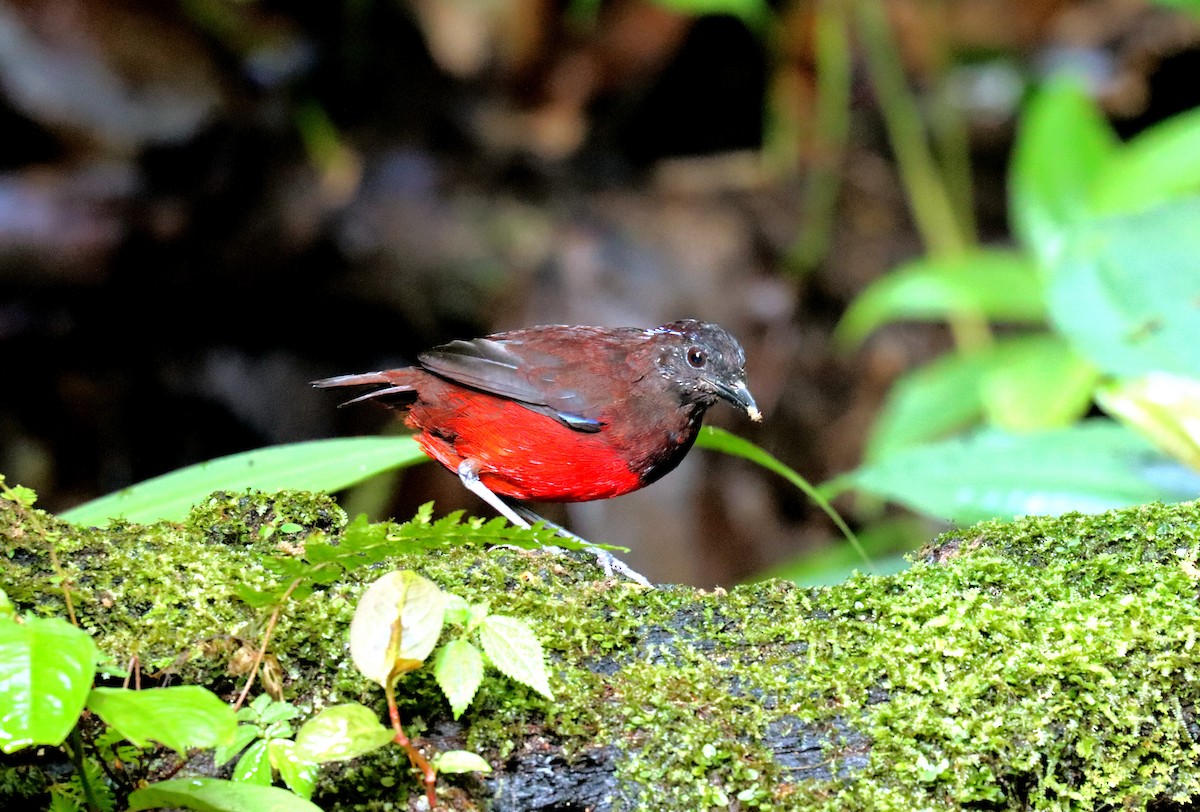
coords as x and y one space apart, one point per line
563 413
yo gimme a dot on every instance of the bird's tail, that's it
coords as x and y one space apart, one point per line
397 382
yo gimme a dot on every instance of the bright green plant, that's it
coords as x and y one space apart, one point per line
1105 291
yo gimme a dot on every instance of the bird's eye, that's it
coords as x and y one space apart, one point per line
696 357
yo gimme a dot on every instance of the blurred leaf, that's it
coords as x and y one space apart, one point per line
180 717
396 625
1090 467
298 772
720 440
1163 408
886 542
318 465
516 652
458 668
1155 166
754 13
46 670
1042 384
342 732
460 761
215 795
1127 294
254 767
995 285
1063 145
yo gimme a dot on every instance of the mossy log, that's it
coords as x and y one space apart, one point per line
1042 664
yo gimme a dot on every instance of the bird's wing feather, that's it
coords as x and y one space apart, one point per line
513 370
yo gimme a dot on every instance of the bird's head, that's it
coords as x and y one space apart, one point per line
702 363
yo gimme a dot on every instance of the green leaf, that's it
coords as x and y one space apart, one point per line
318 465
1090 467
754 13
1127 293
298 772
460 761
991 284
720 440
1165 409
241 740
1063 145
1157 165
180 717
886 541
46 670
342 732
458 669
215 795
254 767
515 651
1043 383
396 625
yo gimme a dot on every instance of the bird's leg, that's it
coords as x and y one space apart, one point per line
607 561
468 473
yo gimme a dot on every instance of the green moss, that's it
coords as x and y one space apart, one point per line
1044 664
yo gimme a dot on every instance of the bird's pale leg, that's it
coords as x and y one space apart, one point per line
607 561
521 516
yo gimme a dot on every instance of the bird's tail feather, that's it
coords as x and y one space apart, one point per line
396 380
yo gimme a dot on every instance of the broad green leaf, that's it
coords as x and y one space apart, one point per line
241 740
46 670
342 732
180 717
254 767
460 761
1089 467
318 465
298 772
215 795
754 13
458 669
396 625
990 284
515 650
1127 294
1063 145
1158 164
1165 409
885 541
1043 384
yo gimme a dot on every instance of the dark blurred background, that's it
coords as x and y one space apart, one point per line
205 204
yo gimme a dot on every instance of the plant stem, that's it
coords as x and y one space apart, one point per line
415 758
262 649
76 753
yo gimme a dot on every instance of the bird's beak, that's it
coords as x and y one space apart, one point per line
739 396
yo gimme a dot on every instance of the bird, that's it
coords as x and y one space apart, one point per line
563 413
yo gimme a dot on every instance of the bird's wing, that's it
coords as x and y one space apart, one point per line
516 370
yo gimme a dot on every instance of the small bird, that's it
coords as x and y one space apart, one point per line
563 413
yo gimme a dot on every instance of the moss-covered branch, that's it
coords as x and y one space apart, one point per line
1050 663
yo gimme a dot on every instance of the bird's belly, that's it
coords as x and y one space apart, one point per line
524 454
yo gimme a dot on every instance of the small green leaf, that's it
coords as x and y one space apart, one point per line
215 795
46 670
341 732
1163 408
396 624
990 284
254 767
460 761
515 650
1090 467
457 610
1158 164
458 669
180 717
241 740
317 465
1063 145
1044 385
298 772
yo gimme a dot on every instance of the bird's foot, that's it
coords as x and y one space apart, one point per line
608 562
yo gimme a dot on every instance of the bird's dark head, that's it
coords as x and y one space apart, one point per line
703 362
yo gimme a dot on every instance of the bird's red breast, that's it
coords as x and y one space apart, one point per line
566 414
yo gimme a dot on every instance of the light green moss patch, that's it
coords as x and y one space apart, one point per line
1045 664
